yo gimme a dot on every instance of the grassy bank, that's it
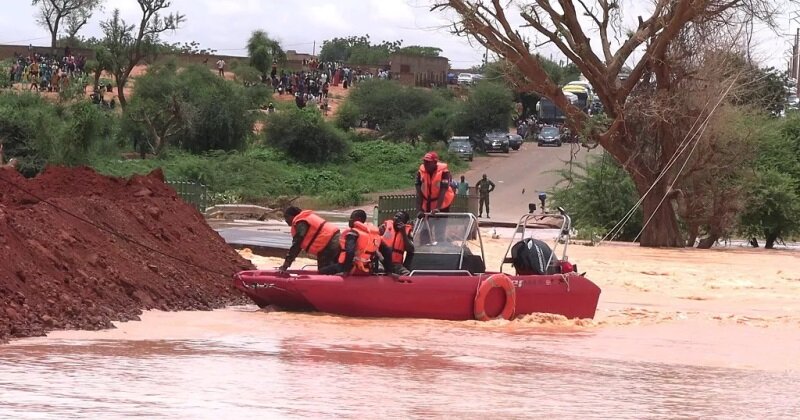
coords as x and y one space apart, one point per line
263 175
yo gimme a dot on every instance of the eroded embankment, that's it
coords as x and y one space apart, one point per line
147 250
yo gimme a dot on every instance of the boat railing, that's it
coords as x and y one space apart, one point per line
423 272
524 224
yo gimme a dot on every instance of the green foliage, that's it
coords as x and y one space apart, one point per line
420 51
191 108
5 72
304 135
38 132
348 115
391 106
360 50
774 197
263 50
438 124
597 196
259 173
489 107
357 50
247 74
776 204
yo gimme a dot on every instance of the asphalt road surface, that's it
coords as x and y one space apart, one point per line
521 175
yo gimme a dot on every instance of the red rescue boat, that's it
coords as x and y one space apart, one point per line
448 278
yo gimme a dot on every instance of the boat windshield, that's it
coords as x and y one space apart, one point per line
444 234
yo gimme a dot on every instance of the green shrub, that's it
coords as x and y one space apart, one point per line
192 108
489 107
38 132
390 105
305 136
600 194
346 198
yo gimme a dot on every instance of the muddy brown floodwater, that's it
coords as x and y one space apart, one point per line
679 334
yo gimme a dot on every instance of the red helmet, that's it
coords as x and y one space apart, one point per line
431 157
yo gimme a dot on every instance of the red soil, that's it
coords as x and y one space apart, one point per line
58 272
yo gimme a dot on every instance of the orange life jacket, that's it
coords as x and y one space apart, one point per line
369 240
431 188
395 241
319 234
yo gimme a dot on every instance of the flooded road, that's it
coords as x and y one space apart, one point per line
245 363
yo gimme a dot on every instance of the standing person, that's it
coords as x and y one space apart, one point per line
462 188
221 67
433 186
397 244
314 235
484 186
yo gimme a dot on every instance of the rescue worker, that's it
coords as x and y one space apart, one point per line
359 246
434 193
396 242
314 235
484 186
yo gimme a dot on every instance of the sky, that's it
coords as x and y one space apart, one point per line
225 25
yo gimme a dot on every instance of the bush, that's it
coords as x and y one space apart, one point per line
38 132
193 109
776 205
489 107
389 105
305 136
598 197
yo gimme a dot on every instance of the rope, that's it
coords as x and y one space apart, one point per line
691 152
625 219
113 232
683 146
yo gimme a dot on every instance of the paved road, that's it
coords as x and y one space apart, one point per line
532 169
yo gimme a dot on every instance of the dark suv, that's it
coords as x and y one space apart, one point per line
549 136
462 147
514 141
496 142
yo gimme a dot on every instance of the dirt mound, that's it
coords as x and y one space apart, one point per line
58 272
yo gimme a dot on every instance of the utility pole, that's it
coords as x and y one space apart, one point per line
796 61
314 48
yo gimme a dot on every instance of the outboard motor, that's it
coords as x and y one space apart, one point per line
532 256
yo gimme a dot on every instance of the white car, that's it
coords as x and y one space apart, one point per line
465 78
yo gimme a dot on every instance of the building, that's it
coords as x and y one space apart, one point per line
414 70
296 61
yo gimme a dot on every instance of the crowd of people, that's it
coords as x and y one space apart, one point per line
48 72
362 248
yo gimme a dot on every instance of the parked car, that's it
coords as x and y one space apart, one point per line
465 78
549 136
461 147
514 141
496 142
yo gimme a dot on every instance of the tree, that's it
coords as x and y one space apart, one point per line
421 51
263 51
774 209
488 108
190 108
634 136
52 13
305 136
128 45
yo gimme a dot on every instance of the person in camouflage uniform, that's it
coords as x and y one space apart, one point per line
484 186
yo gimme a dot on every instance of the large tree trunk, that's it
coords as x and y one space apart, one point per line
771 238
121 94
663 230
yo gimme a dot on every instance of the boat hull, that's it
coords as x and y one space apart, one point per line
448 297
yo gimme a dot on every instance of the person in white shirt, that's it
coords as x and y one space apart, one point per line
221 67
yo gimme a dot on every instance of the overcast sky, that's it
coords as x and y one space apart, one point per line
224 25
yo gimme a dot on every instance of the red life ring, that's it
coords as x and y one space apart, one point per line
495 280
